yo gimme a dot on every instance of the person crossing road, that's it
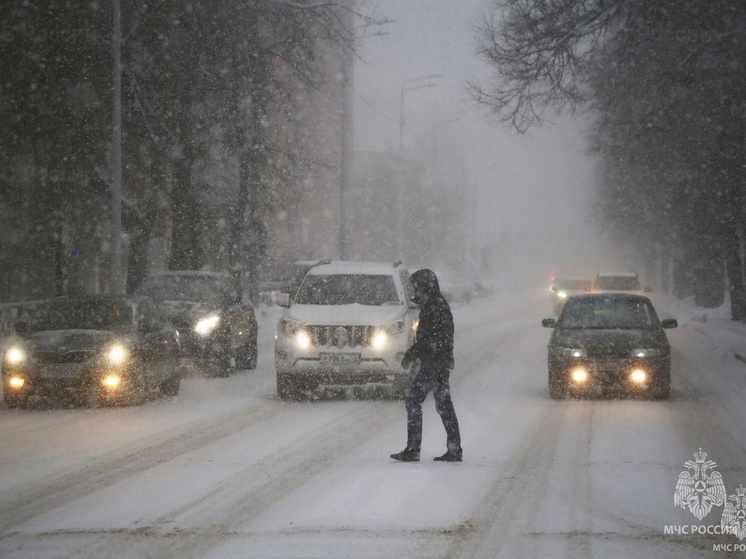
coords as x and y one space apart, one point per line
434 349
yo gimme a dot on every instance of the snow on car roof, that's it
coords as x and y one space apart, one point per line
624 274
352 267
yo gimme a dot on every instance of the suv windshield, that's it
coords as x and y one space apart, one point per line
82 315
617 283
204 289
608 314
342 289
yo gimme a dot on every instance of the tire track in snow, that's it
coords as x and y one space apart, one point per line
509 496
244 498
36 498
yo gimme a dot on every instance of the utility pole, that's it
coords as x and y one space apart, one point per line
116 286
345 133
344 150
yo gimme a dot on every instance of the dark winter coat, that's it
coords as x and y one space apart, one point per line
434 342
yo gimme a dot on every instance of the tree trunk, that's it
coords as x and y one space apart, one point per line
251 193
709 276
186 215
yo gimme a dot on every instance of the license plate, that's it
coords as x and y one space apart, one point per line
610 366
340 358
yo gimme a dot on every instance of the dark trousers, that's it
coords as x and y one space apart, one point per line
424 382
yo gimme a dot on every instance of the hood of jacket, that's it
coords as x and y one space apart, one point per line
425 280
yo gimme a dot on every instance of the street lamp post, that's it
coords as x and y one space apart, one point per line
403 90
400 197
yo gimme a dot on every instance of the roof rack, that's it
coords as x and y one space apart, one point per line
322 262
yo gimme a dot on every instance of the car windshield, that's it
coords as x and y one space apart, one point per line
618 283
205 289
575 285
83 315
608 313
346 289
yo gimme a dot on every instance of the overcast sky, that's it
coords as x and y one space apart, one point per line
535 187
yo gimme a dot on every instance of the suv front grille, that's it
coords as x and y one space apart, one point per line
341 336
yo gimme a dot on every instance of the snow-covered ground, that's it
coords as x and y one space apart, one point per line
226 470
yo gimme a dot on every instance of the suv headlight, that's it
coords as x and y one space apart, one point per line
562 294
379 339
15 355
648 352
207 324
302 339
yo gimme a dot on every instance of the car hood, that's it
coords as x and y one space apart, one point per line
608 341
181 313
352 315
71 340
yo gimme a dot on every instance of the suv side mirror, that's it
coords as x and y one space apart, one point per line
670 323
283 300
548 323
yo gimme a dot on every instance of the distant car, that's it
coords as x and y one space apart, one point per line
628 282
608 341
349 324
217 329
118 349
562 288
288 280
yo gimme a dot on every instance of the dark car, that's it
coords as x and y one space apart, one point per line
217 329
118 349
608 341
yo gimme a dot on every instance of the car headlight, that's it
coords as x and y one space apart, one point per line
648 352
111 381
562 294
16 382
638 376
207 324
302 339
579 376
379 340
117 354
15 355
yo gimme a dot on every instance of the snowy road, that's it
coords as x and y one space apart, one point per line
225 470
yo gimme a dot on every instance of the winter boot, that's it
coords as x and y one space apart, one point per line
407 455
450 456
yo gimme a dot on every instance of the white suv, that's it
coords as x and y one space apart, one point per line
349 324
